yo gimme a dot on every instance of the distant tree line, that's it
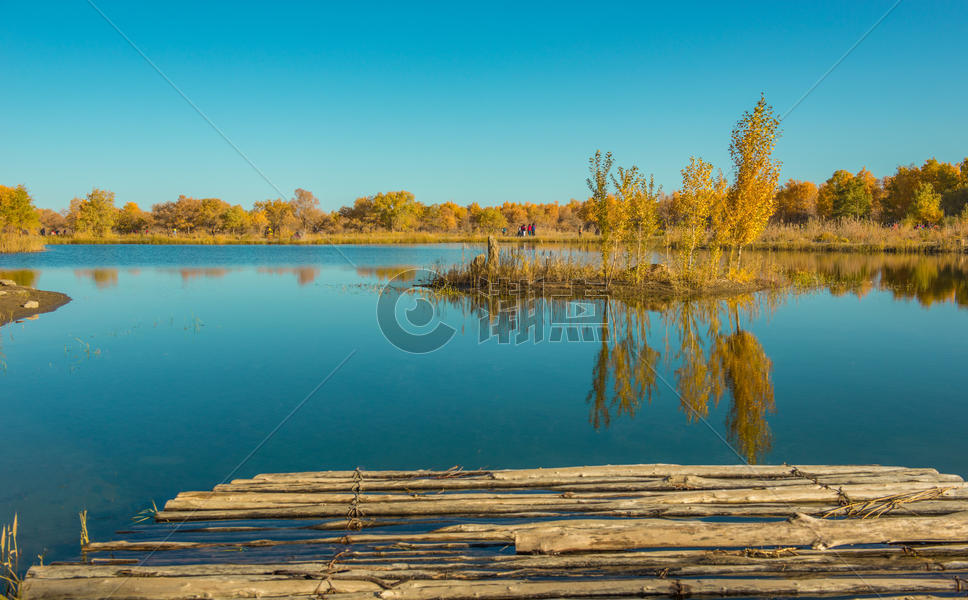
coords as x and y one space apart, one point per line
97 214
922 195
624 206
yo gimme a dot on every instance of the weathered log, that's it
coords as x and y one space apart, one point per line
802 530
188 588
632 588
677 562
577 483
800 493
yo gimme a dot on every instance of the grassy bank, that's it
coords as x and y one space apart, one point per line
10 243
822 236
389 238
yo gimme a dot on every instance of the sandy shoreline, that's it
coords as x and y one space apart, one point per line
16 301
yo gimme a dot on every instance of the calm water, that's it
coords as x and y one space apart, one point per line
173 363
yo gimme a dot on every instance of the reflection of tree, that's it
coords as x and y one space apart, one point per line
397 272
190 273
24 277
625 360
927 279
102 278
304 275
704 338
745 371
713 355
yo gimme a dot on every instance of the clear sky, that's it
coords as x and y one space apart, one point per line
456 101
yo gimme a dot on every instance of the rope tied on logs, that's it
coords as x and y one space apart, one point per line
330 570
842 497
354 512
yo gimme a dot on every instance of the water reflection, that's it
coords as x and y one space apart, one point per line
102 278
712 353
304 275
927 279
703 343
188 274
24 277
402 273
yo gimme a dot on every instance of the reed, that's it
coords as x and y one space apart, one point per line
852 235
85 538
10 579
14 242
555 273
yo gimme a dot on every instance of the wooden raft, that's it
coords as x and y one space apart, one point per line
577 532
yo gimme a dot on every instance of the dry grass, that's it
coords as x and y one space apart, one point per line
865 236
10 580
384 237
556 274
14 242
854 236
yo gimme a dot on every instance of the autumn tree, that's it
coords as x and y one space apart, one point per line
700 196
51 220
235 220
491 220
641 218
96 212
395 211
796 202
846 196
305 208
182 214
750 201
131 219
926 206
514 213
17 212
209 214
361 216
278 214
606 211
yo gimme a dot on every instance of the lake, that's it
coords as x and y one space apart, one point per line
176 367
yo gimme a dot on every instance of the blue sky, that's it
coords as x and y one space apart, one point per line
456 101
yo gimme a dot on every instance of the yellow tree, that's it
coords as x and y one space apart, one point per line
604 206
131 219
750 202
926 206
640 199
96 212
696 202
796 201
17 212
